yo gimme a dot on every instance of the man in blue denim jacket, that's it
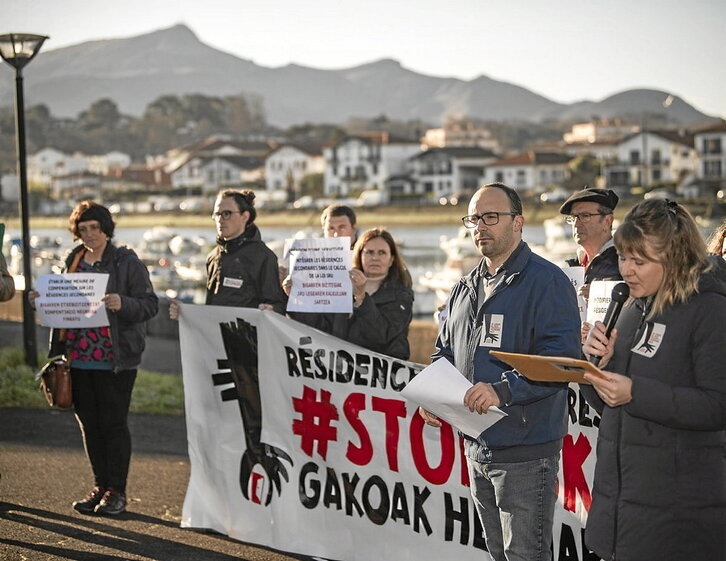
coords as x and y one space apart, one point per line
514 301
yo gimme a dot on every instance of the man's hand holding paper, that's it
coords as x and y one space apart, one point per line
441 389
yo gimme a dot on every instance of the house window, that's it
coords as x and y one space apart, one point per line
634 157
520 177
655 158
499 177
711 145
428 187
712 169
656 175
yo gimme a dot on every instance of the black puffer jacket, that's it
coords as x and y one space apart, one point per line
604 265
129 278
243 273
660 479
379 324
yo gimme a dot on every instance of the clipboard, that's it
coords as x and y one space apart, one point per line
549 368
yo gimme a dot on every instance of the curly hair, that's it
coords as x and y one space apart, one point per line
398 267
675 242
90 210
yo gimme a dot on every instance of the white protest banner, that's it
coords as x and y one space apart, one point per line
577 278
302 442
599 300
72 300
319 272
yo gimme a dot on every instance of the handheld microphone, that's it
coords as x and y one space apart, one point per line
620 294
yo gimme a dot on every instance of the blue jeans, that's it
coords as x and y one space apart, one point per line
516 503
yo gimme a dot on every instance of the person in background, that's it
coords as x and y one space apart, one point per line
338 221
659 489
717 241
590 212
7 284
104 360
382 299
241 270
513 301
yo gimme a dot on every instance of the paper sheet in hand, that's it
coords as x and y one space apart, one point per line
440 388
319 269
577 278
72 300
599 300
549 368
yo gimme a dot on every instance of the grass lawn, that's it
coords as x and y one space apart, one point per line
153 392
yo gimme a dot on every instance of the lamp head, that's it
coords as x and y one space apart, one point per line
18 49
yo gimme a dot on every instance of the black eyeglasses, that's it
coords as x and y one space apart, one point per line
489 219
224 214
583 217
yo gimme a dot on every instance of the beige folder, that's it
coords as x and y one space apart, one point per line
549 368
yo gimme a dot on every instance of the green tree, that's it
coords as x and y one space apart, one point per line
103 114
314 133
312 184
584 170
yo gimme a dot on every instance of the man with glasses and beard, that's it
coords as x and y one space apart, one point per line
513 301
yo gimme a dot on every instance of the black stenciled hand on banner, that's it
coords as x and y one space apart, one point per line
240 344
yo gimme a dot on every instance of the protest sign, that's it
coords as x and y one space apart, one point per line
599 300
577 278
320 278
302 442
72 300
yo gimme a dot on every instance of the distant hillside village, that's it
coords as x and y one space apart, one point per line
375 168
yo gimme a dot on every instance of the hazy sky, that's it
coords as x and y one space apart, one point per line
567 50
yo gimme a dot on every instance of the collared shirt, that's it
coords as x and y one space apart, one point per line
488 283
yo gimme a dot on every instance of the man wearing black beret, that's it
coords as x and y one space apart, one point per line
590 212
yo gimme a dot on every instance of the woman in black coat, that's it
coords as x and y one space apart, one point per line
382 299
659 490
104 360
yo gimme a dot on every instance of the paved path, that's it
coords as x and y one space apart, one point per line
43 469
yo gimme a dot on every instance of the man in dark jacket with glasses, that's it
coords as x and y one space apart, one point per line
513 301
590 212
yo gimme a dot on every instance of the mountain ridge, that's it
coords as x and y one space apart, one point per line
133 71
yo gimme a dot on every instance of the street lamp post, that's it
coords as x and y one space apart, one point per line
18 49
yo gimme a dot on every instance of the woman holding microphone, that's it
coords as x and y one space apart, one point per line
659 489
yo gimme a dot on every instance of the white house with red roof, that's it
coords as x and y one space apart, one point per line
287 164
653 156
534 171
365 161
